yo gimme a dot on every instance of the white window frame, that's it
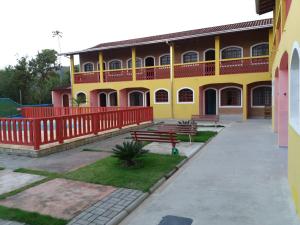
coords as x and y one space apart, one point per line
209 49
177 98
261 43
251 97
83 65
137 58
161 103
108 97
83 92
163 56
230 106
232 46
128 97
149 56
294 122
189 52
114 60
217 96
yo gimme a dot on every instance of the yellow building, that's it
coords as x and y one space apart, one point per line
220 70
285 59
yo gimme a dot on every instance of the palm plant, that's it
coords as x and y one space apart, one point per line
129 152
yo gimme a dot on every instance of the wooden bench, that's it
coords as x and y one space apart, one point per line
157 136
209 118
187 129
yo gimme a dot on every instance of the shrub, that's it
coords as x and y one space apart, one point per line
129 152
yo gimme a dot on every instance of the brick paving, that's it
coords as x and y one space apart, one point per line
105 210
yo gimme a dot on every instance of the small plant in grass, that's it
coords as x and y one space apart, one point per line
129 152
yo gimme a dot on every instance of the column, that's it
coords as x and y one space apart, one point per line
72 70
101 79
270 49
172 62
245 102
217 55
133 63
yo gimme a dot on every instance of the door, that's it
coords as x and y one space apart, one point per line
66 100
210 102
136 98
103 102
209 67
148 99
149 62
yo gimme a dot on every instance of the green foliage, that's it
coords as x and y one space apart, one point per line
129 152
8 107
79 100
30 81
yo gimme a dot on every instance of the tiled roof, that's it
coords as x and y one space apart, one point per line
229 28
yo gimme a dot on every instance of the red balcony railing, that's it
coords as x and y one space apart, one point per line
118 75
244 65
87 77
153 73
194 69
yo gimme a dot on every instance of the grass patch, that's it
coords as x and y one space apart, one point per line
109 171
30 218
94 150
39 172
201 136
2 168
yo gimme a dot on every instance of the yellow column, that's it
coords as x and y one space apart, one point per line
217 55
133 63
270 50
101 67
72 70
245 102
172 62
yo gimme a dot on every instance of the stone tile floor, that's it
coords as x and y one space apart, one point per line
10 180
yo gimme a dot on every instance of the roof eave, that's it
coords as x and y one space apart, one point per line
264 6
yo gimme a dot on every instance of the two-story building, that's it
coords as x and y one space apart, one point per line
285 58
217 70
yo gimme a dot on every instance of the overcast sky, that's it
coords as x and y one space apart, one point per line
27 25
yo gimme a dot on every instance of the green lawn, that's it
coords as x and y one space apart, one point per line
108 171
29 218
201 136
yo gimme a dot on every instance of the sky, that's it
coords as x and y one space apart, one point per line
26 26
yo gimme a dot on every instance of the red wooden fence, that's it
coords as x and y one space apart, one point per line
44 130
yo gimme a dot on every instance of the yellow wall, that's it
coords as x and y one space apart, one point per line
290 35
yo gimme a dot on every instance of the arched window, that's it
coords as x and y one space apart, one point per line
262 96
164 60
190 56
138 63
115 64
104 66
161 96
230 96
295 90
87 67
136 98
185 95
103 99
260 49
232 52
80 98
113 98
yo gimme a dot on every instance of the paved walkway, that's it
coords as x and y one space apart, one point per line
240 177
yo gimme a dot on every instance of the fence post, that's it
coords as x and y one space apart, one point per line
120 119
36 134
60 130
138 116
94 124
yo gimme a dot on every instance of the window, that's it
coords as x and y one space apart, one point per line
113 99
81 98
295 90
231 97
104 66
161 96
262 96
138 63
115 64
231 53
186 95
164 60
190 57
87 67
260 50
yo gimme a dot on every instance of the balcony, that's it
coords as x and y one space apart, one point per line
195 69
117 75
153 73
244 65
87 77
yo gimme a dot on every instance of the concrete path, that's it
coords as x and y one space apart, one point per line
6 222
240 177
